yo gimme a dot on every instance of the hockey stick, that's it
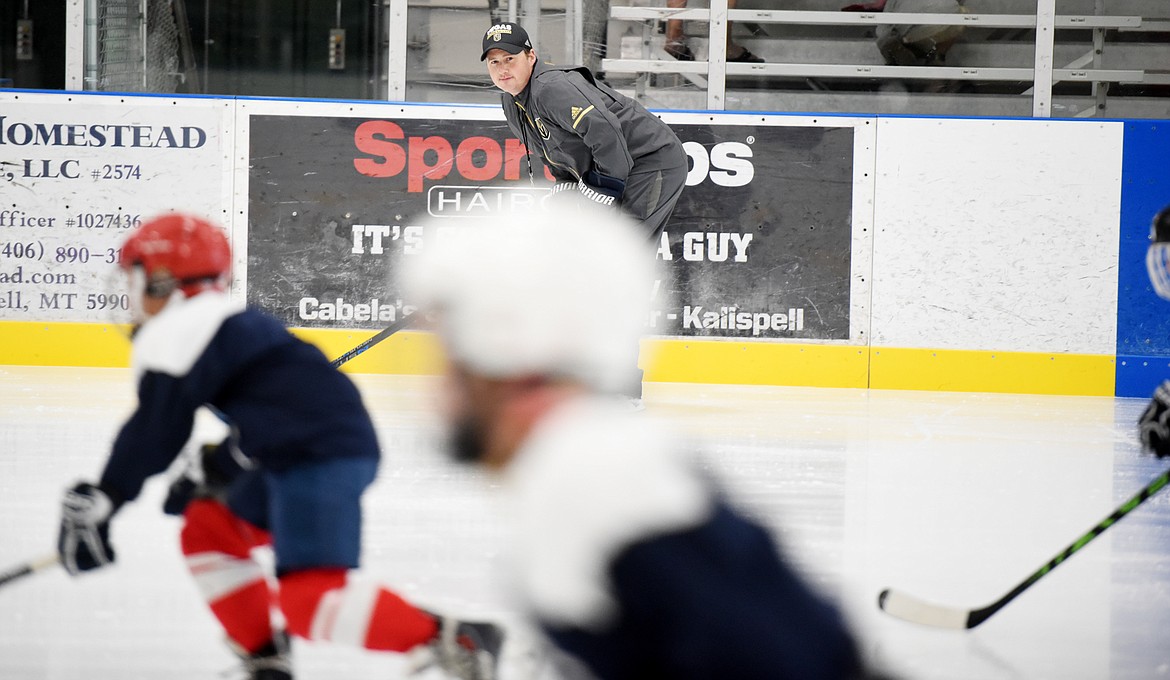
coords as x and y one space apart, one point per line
28 568
910 608
382 335
336 363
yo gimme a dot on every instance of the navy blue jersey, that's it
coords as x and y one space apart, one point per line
635 566
281 396
712 601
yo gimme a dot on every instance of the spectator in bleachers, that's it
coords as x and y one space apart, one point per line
676 42
922 45
916 45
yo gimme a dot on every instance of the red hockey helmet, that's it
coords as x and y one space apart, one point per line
178 251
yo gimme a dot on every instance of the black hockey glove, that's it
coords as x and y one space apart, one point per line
602 188
1154 425
209 478
84 540
562 195
563 186
597 195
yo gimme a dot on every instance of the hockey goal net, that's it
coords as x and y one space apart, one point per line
142 46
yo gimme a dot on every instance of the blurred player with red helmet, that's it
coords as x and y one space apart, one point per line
302 452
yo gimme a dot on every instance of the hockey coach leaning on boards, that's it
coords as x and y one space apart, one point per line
593 139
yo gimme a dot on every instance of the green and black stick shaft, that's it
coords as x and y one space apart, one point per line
910 608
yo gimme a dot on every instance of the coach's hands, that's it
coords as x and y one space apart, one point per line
598 194
602 188
593 186
561 187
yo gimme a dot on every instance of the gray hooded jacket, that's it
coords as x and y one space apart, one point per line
578 126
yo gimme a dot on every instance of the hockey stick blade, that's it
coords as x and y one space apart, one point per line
914 610
28 568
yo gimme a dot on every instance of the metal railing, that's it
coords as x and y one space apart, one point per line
712 74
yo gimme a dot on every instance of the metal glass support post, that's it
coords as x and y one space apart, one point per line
717 57
396 32
1042 72
642 79
530 20
142 36
75 45
90 81
1099 88
574 32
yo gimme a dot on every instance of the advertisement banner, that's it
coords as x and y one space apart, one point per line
759 246
74 180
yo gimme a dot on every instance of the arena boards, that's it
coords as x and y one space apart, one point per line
839 251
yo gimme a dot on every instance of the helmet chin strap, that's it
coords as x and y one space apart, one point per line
135 283
148 298
145 307
161 304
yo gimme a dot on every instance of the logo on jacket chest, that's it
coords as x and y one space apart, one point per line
541 128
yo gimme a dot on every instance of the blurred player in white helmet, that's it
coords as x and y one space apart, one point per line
1154 424
627 557
292 475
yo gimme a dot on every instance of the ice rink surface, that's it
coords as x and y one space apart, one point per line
951 497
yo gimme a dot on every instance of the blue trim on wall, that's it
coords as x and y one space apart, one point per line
1143 319
1142 374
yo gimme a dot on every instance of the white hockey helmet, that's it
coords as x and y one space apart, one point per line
1158 254
538 294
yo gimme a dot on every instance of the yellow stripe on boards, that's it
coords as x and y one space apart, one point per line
108 345
404 353
28 343
992 371
754 363
663 359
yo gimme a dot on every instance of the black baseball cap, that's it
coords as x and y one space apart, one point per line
510 37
